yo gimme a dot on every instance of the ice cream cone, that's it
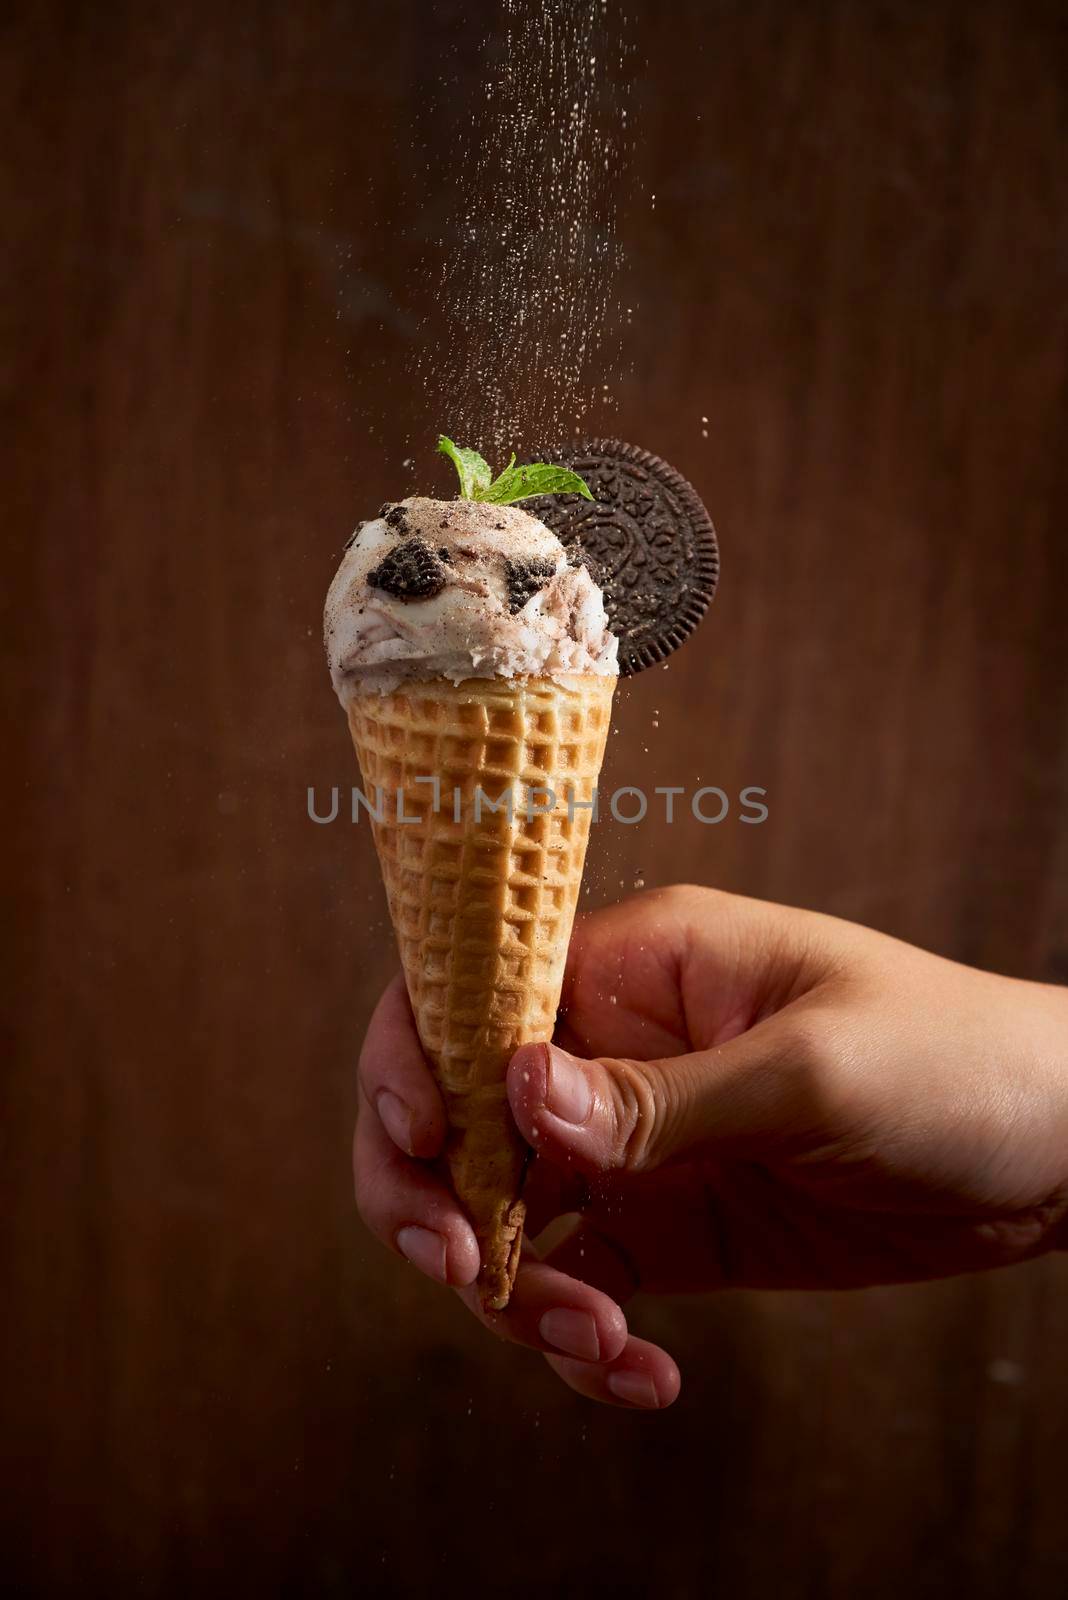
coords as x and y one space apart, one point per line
483 901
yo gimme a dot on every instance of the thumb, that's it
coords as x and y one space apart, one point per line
769 1091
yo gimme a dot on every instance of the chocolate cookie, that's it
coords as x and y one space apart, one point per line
410 572
647 540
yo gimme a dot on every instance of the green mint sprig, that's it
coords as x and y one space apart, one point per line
514 483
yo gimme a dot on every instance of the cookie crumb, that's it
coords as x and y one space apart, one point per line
525 578
410 572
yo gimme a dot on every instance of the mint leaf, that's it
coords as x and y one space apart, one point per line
474 473
518 483
514 483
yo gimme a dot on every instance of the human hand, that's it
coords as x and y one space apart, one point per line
777 1099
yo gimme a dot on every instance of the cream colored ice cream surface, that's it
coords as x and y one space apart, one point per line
459 589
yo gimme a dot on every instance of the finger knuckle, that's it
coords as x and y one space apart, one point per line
639 1108
682 899
803 1050
368 1061
364 1196
830 1081
370 1195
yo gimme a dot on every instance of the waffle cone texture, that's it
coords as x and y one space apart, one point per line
482 902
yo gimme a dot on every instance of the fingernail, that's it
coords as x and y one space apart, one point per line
396 1118
573 1332
425 1250
636 1388
567 1094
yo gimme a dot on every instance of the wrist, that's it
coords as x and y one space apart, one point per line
1049 1006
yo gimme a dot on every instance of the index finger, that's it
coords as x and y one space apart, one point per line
396 1077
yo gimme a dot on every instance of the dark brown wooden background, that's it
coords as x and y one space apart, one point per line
857 269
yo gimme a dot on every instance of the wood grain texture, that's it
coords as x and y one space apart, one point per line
855 269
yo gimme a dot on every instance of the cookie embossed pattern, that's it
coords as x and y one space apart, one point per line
647 539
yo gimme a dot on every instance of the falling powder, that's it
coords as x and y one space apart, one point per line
527 324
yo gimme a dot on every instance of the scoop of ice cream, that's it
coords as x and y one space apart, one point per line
460 589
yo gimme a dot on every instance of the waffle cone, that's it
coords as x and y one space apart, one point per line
483 905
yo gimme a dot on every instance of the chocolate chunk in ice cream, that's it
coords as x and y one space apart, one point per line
410 572
525 578
646 539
